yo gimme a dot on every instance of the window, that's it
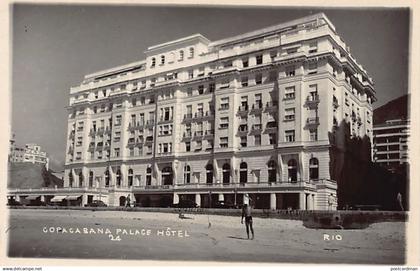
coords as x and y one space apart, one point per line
116 152
79 141
190 74
245 62
81 179
313 47
223 142
118 120
290 71
132 150
181 55
162 60
258 79
259 59
78 156
225 84
224 122
153 62
187 146
149 176
200 72
313 135
290 135
130 177
198 145
257 140
292 170
272 171
226 173
243 172
243 141
313 169
312 68
95 109
191 52
258 101
90 178
289 114
273 55
272 138
212 87
292 50
187 174
200 89
118 175
244 81
107 178
224 103
167 176
289 93
209 173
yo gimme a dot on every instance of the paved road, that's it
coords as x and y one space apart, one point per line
53 234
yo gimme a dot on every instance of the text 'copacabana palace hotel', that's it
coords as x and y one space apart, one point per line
249 114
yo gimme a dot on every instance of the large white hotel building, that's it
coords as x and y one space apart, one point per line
195 119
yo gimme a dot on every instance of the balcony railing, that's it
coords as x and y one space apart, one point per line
256 127
312 121
150 123
257 106
242 129
312 99
187 134
272 105
243 109
272 125
209 132
188 116
198 133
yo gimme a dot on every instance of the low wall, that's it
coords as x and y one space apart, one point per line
311 219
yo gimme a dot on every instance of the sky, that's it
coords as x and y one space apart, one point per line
54 46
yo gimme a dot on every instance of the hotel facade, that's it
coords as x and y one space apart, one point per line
228 120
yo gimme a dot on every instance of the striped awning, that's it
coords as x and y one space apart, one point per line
32 197
73 197
57 198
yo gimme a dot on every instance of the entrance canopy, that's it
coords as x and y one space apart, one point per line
58 198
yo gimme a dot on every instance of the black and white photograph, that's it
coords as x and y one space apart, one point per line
209 133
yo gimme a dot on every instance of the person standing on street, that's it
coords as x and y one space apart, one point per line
246 212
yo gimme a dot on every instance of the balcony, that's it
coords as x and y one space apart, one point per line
312 121
271 106
312 100
187 135
257 107
198 134
209 133
243 110
131 142
91 146
199 115
92 132
162 120
99 146
139 142
242 130
271 126
150 123
256 128
188 116
149 140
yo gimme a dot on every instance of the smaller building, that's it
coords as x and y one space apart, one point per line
32 153
390 143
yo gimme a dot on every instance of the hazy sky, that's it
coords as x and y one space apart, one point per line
55 46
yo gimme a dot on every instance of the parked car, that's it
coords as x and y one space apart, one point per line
13 202
185 204
224 205
96 203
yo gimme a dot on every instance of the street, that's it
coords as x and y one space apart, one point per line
162 236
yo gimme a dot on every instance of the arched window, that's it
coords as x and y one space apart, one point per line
70 179
90 178
149 176
171 57
292 170
153 62
130 177
107 178
191 52
162 60
118 177
272 171
187 174
226 173
313 169
81 179
243 172
209 173
167 176
181 55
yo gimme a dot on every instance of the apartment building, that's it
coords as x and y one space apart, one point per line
390 140
246 117
31 153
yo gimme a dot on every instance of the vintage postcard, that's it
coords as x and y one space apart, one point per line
223 133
